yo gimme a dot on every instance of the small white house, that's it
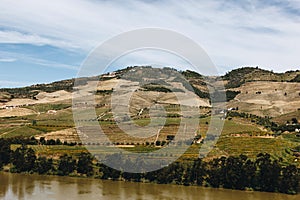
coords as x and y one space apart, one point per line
51 112
10 107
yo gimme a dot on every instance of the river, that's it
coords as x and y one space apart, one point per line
31 187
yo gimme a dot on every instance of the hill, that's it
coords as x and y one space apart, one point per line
260 103
252 90
237 77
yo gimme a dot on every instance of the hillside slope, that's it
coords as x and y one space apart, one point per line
266 98
45 111
252 90
237 77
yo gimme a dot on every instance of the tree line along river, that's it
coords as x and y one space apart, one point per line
23 186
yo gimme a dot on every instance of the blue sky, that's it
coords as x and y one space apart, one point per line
45 41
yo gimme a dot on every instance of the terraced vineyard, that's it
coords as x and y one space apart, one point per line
50 116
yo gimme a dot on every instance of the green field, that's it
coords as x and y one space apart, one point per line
24 131
238 135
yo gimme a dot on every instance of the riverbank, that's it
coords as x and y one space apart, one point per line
32 186
264 173
136 178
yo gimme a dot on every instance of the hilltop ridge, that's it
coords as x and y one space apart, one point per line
251 89
239 76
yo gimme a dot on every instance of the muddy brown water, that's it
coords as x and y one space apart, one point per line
31 187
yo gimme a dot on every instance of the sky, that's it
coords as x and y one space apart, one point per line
45 41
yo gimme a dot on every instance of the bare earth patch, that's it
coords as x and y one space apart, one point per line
68 135
267 98
16 112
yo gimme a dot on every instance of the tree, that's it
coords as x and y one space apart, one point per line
268 173
32 141
4 152
34 122
58 142
294 121
109 173
50 142
42 140
187 179
248 174
85 164
169 174
289 181
233 173
66 165
43 165
23 159
197 172
215 172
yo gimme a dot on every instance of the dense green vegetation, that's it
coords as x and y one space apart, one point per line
263 173
267 122
223 96
25 159
296 79
191 74
263 121
237 77
104 92
156 88
231 94
4 153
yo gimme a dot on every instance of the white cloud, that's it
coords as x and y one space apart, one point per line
48 63
31 59
233 33
7 59
14 37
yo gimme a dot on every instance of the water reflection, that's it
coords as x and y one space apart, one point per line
18 186
4 183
